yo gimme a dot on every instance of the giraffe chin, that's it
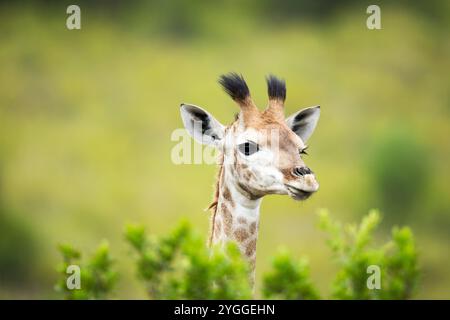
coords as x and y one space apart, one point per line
298 194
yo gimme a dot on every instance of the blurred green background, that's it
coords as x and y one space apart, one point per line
86 118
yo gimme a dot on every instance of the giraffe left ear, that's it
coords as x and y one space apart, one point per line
304 122
201 125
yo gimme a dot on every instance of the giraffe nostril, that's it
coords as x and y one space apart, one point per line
301 171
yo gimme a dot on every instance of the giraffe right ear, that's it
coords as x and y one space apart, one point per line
201 125
304 122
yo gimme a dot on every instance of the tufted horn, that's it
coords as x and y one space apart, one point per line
234 85
276 89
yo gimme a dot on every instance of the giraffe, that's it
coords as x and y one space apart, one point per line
260 153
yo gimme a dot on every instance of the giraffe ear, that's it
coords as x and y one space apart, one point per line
201 125
304 122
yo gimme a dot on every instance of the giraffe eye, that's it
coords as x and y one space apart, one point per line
248 148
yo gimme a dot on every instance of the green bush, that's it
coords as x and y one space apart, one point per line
179 266
289 280
98 277
397 259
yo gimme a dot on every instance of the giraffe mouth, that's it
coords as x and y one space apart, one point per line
298 194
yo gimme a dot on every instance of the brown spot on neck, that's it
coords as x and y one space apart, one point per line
250 248
227 195
227 219
240 234
252 228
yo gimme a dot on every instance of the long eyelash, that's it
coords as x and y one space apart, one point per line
303 151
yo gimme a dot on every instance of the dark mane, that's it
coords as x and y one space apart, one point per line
213 205
234 85
276 88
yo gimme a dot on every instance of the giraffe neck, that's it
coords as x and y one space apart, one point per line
236 219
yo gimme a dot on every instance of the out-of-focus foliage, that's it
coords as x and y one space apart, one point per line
351 245
401 171
17 246
97 275
191 18
312 10
86 118
289 280
17 250
179 266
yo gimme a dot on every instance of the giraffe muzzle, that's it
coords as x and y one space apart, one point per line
305 184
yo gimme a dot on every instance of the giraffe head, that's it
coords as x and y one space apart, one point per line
262 151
